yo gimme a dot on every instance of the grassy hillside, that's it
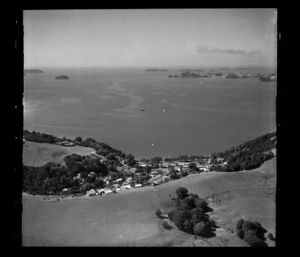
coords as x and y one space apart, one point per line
128 218
37 154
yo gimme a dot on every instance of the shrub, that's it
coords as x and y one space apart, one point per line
239 224
201 229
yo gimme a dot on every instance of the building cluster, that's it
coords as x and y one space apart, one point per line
231 75
158 175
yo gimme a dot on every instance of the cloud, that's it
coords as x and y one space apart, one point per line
209 49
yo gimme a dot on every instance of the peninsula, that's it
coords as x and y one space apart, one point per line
32 71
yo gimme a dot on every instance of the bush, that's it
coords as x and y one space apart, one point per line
201 229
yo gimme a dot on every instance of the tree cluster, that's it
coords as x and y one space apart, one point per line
40 137
52 178
48 179
191 215
249 155
252 232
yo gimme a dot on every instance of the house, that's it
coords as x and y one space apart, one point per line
138 185
91 174
107 191
165 178
154 172
116 185
101 191
66 143
177 168
157 182
92 192
118 180
142 164
129 179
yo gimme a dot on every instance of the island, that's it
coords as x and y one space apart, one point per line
156 70
32 71
62 77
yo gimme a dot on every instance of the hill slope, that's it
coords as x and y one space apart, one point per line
128 218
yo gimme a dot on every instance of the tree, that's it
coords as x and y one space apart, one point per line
187 204
193 166
179 219
130 161
239 224
78 139
201 229
111 156
181 192
251 238
173 175
158 213
201 203
166 225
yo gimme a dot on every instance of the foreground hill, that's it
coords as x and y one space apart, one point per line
127 218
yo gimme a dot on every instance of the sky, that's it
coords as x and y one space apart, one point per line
150 38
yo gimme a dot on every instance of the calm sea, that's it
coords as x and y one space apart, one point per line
181 116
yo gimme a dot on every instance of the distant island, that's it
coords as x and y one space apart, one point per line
62 77
156 70
32 71
190 70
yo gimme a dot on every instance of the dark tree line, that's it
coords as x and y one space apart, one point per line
191 215
40 137
249 155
